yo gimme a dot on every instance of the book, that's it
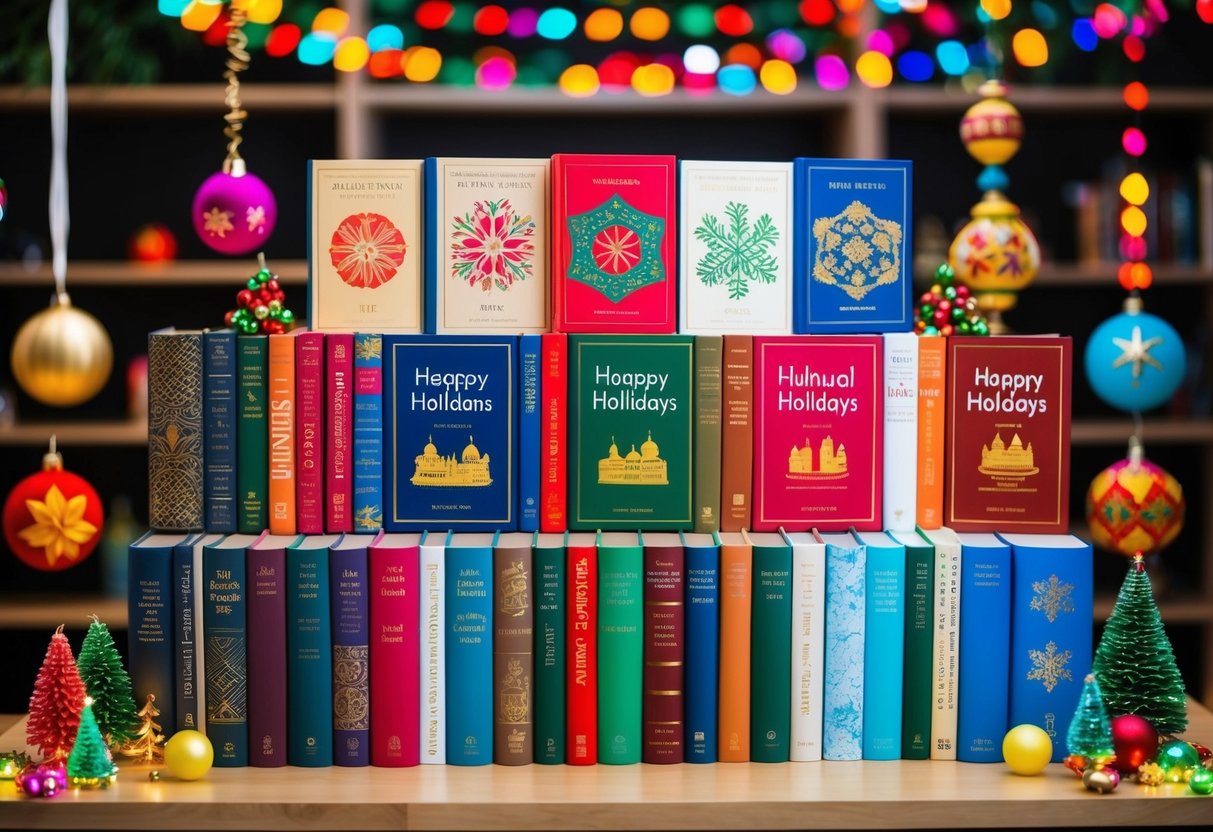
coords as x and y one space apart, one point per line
266 583
219 430
349 585
252 434
735 247
771 648
620 647
367 484
900 475
581 550
551 639
932 364
310 414
486 229
851 266
631 412
281 374
365 245
736 432
150 632
339 432
846 610
702 662
395 639
188 597
613 244
514 649
736 583
175 431
808 591
553 439
983 683
706 492
1052 609
883 644
918 682
450 432
818 438
432 635
530 354
309 653
1007 441
663 705
469 648
945 643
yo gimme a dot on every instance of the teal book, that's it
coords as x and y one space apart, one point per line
919 637
550 648
620 647
846 595
252 433
309 653
469 648
771 649
884 645
984 676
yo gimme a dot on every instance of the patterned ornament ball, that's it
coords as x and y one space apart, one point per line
188 755
996 255
1134 506
234 214
1135 741
52 519
1027 749
62 356
1135 361
1102 780
992 129
1201 782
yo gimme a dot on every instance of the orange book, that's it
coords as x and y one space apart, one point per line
282 432
736 569
932 361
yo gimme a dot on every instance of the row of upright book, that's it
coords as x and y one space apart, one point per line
609 647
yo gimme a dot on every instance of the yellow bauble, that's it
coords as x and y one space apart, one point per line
188 755
996 254
1027 749
992 129
62 356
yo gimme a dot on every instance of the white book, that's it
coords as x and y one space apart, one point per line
433 649
900 430
808 644
199 590
735 248
946 644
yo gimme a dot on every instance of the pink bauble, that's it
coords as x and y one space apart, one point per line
1135 742
234 214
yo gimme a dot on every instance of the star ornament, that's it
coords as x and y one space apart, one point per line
1135 352
59 526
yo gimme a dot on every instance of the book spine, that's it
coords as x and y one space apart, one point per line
620 654
706 500
219 429
702 658
309 438
174 432
582 702
529 462
309 659
469 656
252 434
185 637
984 680
433 226
560 245
267 672
737 432
800 246
842 705
553 484
351 657
339 430
550 641
771 652
282 434
395 681
225 652
918 682
513 656
149 645
900 476
664 653
433 656
808 651
736 575
883 656
945 651
932 358
368 433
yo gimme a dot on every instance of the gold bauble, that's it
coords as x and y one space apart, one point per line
62 356
996 255
992 129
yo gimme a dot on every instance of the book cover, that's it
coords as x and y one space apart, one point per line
808 645
918 686
735 247
553 440
932 364
984 680
281 421
190 701
581 550
945 642
431 552
706 492
1051 613
175 431
551 639
900 475
613 244
309 656
736 432
630 432
469 648
339 432
702 662
486 228
736 582
219 430
349 583
450 432
365 245
252 434
310 416
1007 446
620 647
530 354
514 649
368 432
663 705
771 649
395 633
851 257
846 609
818 438
151 628
266 582
883 644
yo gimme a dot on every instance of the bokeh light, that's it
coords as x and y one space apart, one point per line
734 21
653 80
701 59
603 25
649 23
422 64
556 24
282 40
385 36
744 53
333 21
490 21
996 9
1030 48
953 57
696 20
1132 248
888 6
1134 276
523 23
778 77
386 63
1134 48
882 42
434 14
579 81
496 73
316 48
1133 141
351 54
172 8
874 69
1108 20
1083 34
939 20
1136 95
736 79
1133 221
817 12
786 45
1204 9
199 16
1134 189
831 72
913 6
264 11
915 66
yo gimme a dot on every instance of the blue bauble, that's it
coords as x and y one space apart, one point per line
1135 361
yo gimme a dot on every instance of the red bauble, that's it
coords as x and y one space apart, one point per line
1135 741
153 243
52 519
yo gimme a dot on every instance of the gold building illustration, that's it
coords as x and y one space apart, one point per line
831 462
471 470
643 468
1001 460
512 584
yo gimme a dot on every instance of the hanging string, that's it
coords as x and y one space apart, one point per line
56 30
237 62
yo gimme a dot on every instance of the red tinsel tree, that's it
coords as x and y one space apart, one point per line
58 699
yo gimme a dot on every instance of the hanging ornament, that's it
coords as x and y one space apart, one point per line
948 309
261 305
1134 506
234 211
153 243
53 519
1135 361
43 780
1135 741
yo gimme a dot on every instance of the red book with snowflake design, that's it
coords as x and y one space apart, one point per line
613 241
364 245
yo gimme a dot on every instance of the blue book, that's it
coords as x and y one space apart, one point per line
985 648
469 648
702 659
368 433
434 227
451 417
150 632
219 430
1052 609
187 632
883 645
528 433
348 583
851 250
309 653
846 602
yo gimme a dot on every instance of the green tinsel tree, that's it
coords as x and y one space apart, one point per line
108 684
1134 664
1090 733
89 764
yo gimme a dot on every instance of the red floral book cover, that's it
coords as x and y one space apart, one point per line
613 239
818 424
1007 441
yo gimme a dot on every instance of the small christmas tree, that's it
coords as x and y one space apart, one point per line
148 743
108 684
90 763
1090 733
1134 663
54 708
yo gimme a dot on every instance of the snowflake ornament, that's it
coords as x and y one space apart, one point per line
1049 666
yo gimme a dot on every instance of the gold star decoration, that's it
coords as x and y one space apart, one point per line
59 526
1136 353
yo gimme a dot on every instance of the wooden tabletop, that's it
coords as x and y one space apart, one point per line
828 795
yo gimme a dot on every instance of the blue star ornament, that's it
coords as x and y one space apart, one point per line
1135 361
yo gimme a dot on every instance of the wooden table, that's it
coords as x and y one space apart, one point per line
829 795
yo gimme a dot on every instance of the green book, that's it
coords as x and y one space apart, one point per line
252 433
916 686
548 570
709 350
620 647
630 431
771 649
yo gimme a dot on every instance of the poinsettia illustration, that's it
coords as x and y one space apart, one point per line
492 246
367 250
59 526
616 249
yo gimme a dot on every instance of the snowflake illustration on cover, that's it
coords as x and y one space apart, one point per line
737 252
856 250
367 250
616 249
492 246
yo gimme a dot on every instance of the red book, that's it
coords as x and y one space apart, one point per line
1007 445
664 647
282 431
582 690
818 424
613 242
339 432
553 443
309 432
395 649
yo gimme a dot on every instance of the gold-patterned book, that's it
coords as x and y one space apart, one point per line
174 430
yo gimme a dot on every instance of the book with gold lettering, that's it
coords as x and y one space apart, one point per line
348 582
395 607
469 648
582 645
514 599
282 432
309 652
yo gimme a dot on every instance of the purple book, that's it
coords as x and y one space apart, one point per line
351 650
265 564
